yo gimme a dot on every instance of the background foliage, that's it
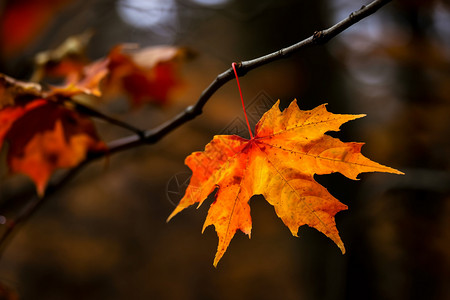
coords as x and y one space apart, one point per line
105 237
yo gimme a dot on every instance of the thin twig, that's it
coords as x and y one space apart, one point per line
86 110
154 135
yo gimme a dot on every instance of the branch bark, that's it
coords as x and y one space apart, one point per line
154 135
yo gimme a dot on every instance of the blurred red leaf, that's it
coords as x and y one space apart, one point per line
146 75
42 135
23 20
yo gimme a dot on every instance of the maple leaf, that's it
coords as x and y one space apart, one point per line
43 135
147 75
279 162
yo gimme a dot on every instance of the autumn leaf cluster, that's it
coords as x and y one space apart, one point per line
46 127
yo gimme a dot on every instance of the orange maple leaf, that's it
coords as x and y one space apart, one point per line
279 162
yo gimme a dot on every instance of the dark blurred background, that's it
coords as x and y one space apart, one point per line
104 236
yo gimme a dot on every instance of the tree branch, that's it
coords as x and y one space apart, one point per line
86 110
318 38
154 135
